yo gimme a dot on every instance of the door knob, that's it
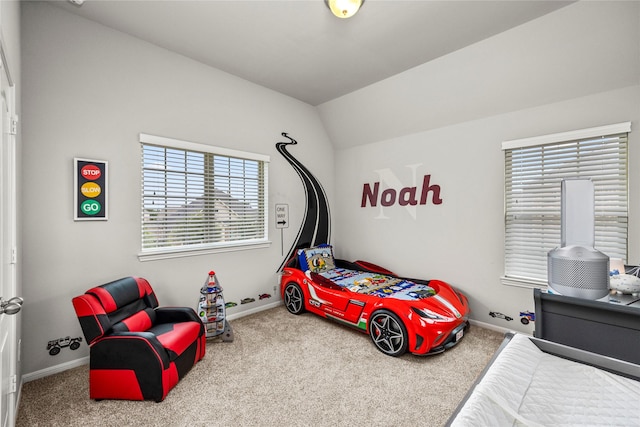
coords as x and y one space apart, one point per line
12 306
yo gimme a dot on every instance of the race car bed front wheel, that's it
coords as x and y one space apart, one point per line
294 298
388 333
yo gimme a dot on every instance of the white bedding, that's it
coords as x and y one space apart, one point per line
527 387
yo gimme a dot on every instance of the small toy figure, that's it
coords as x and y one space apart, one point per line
526 317
499 315
55 346
211 309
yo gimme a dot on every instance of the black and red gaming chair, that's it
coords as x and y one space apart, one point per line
138 351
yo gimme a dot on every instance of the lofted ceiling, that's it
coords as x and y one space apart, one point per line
298 48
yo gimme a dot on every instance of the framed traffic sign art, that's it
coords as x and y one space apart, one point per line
90 190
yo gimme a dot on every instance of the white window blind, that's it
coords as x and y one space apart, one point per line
196 196
534 169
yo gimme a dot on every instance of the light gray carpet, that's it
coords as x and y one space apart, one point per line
281 370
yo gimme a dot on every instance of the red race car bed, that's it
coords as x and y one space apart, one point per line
400 314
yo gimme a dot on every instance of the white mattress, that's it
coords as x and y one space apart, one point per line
527 387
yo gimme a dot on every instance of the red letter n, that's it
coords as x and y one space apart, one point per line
368 194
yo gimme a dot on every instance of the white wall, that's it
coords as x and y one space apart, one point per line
461 240
88 92
587 47
578 67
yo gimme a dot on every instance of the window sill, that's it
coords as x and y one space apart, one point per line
154 255
521 282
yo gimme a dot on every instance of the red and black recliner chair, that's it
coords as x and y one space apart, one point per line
138 351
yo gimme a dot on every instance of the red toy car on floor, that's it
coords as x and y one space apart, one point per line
400 315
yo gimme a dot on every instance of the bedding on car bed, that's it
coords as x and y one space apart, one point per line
377 284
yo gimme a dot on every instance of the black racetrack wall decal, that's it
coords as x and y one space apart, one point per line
316 224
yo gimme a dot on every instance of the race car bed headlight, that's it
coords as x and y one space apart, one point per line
428 314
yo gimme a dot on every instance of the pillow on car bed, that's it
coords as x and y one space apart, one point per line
317 260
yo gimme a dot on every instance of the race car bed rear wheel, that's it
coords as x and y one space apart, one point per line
294 298
388 333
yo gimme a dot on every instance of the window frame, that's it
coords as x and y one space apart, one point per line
150 254
548 141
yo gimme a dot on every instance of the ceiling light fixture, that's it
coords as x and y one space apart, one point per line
344 8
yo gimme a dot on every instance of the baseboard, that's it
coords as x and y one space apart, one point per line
52 370
254 310
490 326
55 369
85 360
278 303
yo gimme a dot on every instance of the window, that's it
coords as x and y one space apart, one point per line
534 169
199 197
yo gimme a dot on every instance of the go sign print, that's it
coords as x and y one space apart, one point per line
90 189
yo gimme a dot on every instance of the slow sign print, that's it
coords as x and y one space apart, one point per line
90 193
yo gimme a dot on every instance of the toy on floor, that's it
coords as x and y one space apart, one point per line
211 310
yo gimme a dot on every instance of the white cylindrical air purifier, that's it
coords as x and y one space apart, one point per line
576 268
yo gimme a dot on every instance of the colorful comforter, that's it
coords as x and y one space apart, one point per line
377 284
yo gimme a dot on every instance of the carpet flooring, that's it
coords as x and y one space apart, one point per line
281 370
